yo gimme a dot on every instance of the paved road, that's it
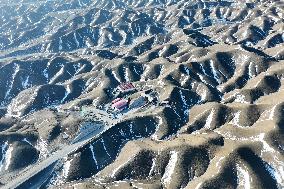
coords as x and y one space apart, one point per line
26 174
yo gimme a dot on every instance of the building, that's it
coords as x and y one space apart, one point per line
119 104
124 88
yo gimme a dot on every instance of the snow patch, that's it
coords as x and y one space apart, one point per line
93 155
4 149
66 168
209 119
243 177
170 169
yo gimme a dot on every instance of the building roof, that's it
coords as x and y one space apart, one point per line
125 87
119 104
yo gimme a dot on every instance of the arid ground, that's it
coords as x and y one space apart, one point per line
215 70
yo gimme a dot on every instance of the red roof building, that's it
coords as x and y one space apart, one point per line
119 104
126 87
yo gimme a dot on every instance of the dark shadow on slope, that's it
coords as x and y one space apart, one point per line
259 167
200 40
101 152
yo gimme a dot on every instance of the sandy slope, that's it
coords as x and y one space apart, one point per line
220 63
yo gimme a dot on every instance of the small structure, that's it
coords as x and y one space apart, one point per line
165 102
65 135
119 104
150 96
